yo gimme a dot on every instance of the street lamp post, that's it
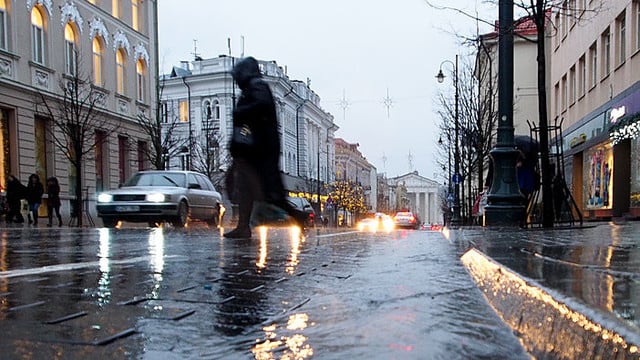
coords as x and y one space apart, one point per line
505 202
456 178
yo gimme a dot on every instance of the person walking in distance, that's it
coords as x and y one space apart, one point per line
35 190
53 200
15 192
255 148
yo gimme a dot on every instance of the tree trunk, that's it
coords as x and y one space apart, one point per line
547 198
78 192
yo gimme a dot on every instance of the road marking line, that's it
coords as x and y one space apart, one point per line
73 266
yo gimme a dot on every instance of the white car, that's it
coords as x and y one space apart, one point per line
156 196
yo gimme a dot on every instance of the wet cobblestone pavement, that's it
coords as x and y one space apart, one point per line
189 294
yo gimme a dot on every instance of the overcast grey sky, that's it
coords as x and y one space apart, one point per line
359 50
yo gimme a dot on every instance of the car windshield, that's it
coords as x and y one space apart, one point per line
157 179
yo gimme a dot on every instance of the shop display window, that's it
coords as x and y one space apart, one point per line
599 175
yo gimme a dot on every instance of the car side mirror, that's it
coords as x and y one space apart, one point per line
195 186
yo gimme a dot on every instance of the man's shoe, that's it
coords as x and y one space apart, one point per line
239 233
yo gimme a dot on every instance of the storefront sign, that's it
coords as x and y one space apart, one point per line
577 140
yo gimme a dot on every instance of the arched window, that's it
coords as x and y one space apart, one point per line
120 71
3 25
70 50
37 35
207 109
97 60
141 71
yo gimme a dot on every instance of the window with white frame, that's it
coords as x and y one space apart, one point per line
37 35
98 50
184 111
120 71
3 25
70 50
141 77
621 35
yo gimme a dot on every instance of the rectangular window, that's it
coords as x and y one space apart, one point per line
41 147
557 97
564 26
37 41
116 9
582 76
135 20
70 55
621 34
3 28
593 64
184 111
572 85
123 158
101 160
565 93
5 144
606 53
142 155
636 5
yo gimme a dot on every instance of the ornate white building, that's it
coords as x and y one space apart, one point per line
198 97
45 42
418 194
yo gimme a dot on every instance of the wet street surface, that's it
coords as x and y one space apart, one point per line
141 293
568 293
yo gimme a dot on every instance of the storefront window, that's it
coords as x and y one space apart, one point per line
5 159
599 168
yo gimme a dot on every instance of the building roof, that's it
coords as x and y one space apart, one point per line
525 26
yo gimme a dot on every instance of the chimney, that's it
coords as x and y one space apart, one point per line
184 65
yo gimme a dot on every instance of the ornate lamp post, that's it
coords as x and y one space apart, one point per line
505 205
456 178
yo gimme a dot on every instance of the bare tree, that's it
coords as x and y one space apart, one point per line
540 13
209 155
75 114
476 126
160 129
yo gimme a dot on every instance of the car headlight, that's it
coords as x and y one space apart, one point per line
105 198
155 197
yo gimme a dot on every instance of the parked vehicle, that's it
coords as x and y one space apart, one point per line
405 219
156 196
303 204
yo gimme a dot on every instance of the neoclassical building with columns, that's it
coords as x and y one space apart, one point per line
420 195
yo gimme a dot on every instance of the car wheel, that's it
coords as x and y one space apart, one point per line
183 215
109 222
213 220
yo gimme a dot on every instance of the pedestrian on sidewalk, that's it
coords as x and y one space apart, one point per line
53 200
255 147
35 190
15 193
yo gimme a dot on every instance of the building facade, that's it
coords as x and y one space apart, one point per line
44 44
418 194
595 82
197 104
353 167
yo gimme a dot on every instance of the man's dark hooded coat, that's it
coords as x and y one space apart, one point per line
256 108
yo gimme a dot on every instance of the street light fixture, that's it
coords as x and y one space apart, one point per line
456 178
